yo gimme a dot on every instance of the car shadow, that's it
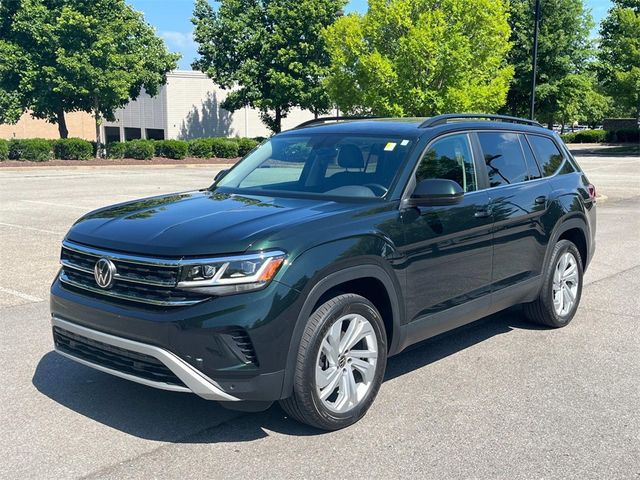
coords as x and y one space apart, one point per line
174 417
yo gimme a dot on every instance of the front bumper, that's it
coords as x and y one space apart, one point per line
192 380
228 348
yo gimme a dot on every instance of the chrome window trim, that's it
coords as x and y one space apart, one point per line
405 194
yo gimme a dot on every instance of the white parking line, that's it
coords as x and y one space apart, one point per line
21 295
42 230
53 204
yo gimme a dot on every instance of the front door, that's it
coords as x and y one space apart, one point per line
448 249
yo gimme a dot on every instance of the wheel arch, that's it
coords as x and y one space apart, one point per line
343 281
574 229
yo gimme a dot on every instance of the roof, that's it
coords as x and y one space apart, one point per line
416 126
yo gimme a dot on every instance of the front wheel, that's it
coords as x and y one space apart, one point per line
340 364
561 290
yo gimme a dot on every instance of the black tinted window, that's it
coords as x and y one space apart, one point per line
548 155
503 157
532 165
449 158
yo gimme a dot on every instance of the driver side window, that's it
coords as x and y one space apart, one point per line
449 158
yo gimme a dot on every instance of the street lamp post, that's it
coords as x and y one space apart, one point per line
536 27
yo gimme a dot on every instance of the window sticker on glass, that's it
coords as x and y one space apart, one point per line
404 143
389 147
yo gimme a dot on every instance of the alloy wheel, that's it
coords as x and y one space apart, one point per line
565 284
346 363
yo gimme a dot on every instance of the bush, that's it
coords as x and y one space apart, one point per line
72 149
176 149
223 148
4 150
33 149
245 145
115 150
568 137
139 149
631 135
590 136
200 147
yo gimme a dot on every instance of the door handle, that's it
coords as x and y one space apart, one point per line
483 212
541 200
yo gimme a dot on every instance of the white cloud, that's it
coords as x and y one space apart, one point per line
180 40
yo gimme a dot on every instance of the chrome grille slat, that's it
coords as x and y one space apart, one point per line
137 279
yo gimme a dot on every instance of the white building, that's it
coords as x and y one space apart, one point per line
187 107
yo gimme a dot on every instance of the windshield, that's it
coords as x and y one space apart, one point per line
331 165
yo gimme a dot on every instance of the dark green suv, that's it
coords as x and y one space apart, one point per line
324 251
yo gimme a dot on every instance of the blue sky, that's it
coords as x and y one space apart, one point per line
172 19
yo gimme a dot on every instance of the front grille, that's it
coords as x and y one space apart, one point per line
114 358
137 279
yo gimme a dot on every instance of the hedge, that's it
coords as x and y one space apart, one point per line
630 135
223 148
4 149
72 149
176 149
588 136
200 148
139 149
115 150
245 145
34 149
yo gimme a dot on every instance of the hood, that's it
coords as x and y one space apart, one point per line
195 223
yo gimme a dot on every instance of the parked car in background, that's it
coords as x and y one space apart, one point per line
326 250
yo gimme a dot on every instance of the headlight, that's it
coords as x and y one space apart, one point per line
225 276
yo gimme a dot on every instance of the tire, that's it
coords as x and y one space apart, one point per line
543 310
316 360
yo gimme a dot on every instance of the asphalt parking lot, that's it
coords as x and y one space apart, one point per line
498 399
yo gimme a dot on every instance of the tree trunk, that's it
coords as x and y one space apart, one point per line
62 124
96 115
277 121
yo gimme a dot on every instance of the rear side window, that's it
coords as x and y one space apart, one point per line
547 153
503 158
532 165
449 158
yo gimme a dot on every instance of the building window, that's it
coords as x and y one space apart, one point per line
111 134
132 134
155 134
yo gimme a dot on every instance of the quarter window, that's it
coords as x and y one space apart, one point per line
547 153
449 158
503 158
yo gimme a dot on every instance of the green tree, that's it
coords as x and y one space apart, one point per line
564 49
619 56
420 57
269 54
59 56
579 100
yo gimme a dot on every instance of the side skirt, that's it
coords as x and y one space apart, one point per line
429 326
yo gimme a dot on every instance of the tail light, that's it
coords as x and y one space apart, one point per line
592 191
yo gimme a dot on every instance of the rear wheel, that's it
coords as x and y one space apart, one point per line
561 289
340 364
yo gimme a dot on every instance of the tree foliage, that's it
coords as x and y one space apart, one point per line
420 57
59 56
619 55
269 53
564 50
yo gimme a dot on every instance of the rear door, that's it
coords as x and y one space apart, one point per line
518 197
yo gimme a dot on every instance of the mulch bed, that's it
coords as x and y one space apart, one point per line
120 162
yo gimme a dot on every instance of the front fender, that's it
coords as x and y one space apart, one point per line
319 269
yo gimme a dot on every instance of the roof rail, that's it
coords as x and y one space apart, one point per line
442 119
321 120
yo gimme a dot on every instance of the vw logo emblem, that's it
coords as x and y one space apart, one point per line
104 273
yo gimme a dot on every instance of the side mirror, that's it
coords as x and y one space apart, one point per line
435 192
220 174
